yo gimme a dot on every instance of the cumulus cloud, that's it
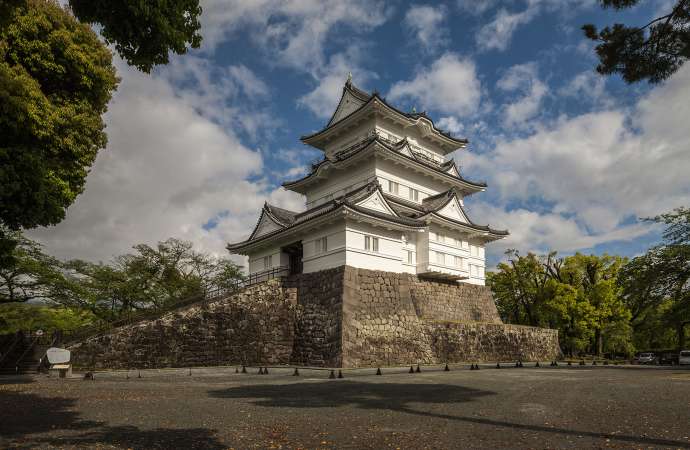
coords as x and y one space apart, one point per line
497 34
168 169
294 32
593 172
323 99
450 86
589 86
522 79
426 23
450 124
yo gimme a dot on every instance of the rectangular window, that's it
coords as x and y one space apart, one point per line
410 257
321 245
393 187
473 250
480 272
268 262
371 243
458 262
414 194
440 258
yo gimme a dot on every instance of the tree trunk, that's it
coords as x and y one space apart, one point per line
598 342
681 336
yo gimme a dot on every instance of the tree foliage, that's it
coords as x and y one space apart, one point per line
56 78
149 278
144 32
651 52
32 276
577 295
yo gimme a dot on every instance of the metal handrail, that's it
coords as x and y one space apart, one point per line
208 296
17 338
30 347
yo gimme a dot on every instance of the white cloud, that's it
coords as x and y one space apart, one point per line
497 34
450 86
426 22
587 85
450 124
167 170
323 99
293 32
592 172
524 80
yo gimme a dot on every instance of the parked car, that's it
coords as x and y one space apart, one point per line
646 358
684 357
669 359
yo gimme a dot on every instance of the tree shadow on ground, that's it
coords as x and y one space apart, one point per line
402 397
30 421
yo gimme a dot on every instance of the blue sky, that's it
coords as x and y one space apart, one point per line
572 159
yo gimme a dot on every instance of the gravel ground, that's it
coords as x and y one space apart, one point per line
563 407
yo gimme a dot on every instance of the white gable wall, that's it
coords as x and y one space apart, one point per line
348 104
407 179
339 182
266 225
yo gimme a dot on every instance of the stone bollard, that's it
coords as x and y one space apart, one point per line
570 363
446 369
594 362
418 369
244 369
265 370
411 369
537 364
139 372
261 370
296 372
498 365
340 374
582 362
190 372
378 371
332 375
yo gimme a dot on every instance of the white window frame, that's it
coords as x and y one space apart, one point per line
393 187
410 257
321 245
371 244
268 262
413 194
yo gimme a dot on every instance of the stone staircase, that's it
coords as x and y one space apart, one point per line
22 353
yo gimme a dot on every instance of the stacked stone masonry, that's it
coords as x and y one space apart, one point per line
342 317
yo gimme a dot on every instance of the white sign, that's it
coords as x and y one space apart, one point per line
58 355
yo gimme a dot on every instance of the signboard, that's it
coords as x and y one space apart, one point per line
58 355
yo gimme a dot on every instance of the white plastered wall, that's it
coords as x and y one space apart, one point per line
390 250
333 256
278 259
406 178
453 243
340 182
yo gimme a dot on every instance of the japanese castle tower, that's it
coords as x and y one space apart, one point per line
384 197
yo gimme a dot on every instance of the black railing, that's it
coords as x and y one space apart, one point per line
209 295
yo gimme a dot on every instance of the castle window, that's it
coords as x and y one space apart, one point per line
321 245
410 257
371 243
393 187
458 262
414 194
440 258
268 262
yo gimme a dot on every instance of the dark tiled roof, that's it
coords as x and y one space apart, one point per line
366 97
395 147
284 216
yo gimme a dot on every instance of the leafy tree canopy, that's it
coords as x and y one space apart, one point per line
651 52
56 78
144 32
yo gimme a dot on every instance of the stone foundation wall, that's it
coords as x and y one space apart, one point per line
342 317
254 325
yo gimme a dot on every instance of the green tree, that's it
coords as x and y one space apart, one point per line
651 52
144 32
56 78
149 278
33 275
22 316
